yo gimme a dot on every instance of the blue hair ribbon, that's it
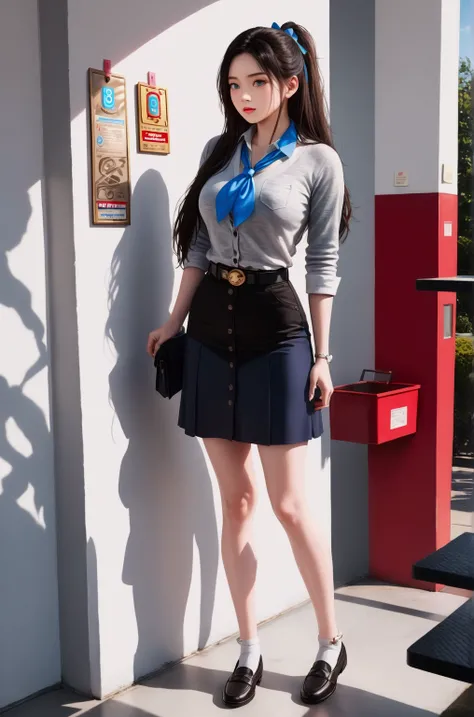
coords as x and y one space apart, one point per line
289 31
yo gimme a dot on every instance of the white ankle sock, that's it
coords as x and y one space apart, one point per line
249 653
329 651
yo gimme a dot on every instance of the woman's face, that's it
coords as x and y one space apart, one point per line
254 94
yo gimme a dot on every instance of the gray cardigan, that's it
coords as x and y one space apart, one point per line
299 195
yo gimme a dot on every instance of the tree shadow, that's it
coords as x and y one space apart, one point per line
29 630
15 295
164 481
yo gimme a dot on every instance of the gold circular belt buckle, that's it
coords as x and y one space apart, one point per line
236 277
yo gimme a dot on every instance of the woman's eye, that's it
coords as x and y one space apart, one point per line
234 86
259 83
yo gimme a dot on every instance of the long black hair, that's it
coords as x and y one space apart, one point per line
280 57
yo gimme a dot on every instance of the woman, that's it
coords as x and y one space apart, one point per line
270 179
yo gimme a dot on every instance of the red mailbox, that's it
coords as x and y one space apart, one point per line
373 411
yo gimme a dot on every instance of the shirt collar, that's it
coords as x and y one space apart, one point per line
286 143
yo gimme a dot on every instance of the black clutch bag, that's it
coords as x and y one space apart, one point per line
169 363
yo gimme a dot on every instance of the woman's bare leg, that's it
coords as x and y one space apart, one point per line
233 468
284 468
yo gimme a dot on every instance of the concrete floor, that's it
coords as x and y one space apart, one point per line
379 623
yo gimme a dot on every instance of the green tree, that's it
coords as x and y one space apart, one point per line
466 83
464 387
463 397
465 180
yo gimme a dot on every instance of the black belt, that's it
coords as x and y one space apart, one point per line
237 276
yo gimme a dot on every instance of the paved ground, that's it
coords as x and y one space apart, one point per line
462 498
463 707
379 623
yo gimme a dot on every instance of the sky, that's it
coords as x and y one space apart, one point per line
466 48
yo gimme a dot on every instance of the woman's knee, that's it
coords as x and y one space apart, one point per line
289 511
238 506
233 467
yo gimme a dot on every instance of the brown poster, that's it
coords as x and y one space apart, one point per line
153 124
109 144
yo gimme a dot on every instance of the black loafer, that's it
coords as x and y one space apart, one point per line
240 688
321 681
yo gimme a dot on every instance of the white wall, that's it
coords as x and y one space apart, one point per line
29 632
152 507
411 37
448 96
352 121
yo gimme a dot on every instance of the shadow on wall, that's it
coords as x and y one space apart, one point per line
164 481
13 294
27 562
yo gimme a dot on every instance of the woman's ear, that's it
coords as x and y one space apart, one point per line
292 86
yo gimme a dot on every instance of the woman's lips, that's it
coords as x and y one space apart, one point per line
249 109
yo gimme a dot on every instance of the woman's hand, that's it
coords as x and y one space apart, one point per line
159 336
320 376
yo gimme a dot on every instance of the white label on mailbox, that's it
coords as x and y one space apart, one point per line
398 417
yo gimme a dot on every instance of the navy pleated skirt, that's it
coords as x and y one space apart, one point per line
247 365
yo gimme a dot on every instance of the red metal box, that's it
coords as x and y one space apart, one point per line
373 411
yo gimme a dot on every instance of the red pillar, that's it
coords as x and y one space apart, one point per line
410 478
416 134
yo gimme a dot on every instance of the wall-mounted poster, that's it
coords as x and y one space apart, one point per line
110 176
153 124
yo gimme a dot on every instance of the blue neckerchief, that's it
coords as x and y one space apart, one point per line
238 195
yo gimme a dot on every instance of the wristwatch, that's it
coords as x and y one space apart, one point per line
328 357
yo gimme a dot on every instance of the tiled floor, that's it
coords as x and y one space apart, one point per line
379 623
